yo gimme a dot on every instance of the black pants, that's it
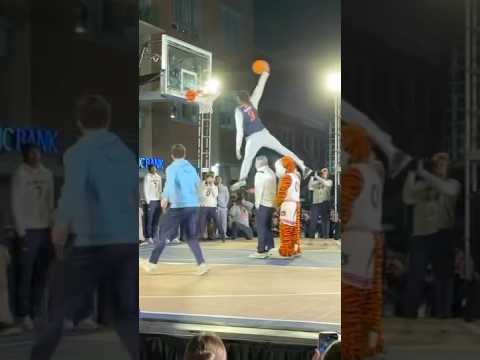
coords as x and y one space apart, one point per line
35 257
240 229
437 250
83 269
263 221
153 215
207 213
321 210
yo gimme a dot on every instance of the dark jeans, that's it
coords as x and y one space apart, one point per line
172 219
77 276
153 215
35 257
322 210
207 213
437 250
240 229
86 308
263 222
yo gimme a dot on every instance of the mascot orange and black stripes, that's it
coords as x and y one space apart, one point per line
288 201
362 184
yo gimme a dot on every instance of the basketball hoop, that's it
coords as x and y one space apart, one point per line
204 100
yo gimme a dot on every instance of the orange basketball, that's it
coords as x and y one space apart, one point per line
260 66
190 95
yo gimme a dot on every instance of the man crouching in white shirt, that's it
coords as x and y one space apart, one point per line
265 187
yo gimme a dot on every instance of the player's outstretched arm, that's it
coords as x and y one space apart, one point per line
258 91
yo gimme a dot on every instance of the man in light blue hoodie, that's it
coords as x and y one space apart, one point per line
98 214
181 193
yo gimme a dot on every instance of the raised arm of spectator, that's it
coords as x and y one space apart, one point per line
448 187
413 191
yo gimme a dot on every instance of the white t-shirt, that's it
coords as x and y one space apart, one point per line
239 214
208 195
32 198
152 187
265 187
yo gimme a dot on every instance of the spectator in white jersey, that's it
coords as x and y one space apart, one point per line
433 196
32 205
265 191
152 190
208 205
321 186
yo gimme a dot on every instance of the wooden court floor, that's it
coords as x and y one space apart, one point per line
252 290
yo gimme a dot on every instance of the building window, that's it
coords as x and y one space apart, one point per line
232 28
186 15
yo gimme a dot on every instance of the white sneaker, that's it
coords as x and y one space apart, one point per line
147 266
238 185
27 323
87 324
202 269
175 241
257 255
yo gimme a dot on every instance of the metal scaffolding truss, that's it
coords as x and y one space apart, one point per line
471 138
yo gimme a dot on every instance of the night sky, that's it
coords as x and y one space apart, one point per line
301 39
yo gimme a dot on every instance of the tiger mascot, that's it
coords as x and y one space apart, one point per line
288 201
362 185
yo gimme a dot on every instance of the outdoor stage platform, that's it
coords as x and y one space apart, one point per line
240 298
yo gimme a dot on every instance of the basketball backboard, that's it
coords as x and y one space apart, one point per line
185 66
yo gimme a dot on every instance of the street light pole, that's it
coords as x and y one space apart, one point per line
334 87
337 149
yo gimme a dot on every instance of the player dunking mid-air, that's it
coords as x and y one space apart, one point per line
250 126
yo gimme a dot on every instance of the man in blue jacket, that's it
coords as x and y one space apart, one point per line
181 193
98 213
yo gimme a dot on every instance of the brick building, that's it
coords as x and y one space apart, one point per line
46 63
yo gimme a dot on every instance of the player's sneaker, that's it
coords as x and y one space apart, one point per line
257 255
398 162
202 269
238 185
175 241
147 266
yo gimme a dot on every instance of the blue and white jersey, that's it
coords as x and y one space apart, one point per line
251 121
